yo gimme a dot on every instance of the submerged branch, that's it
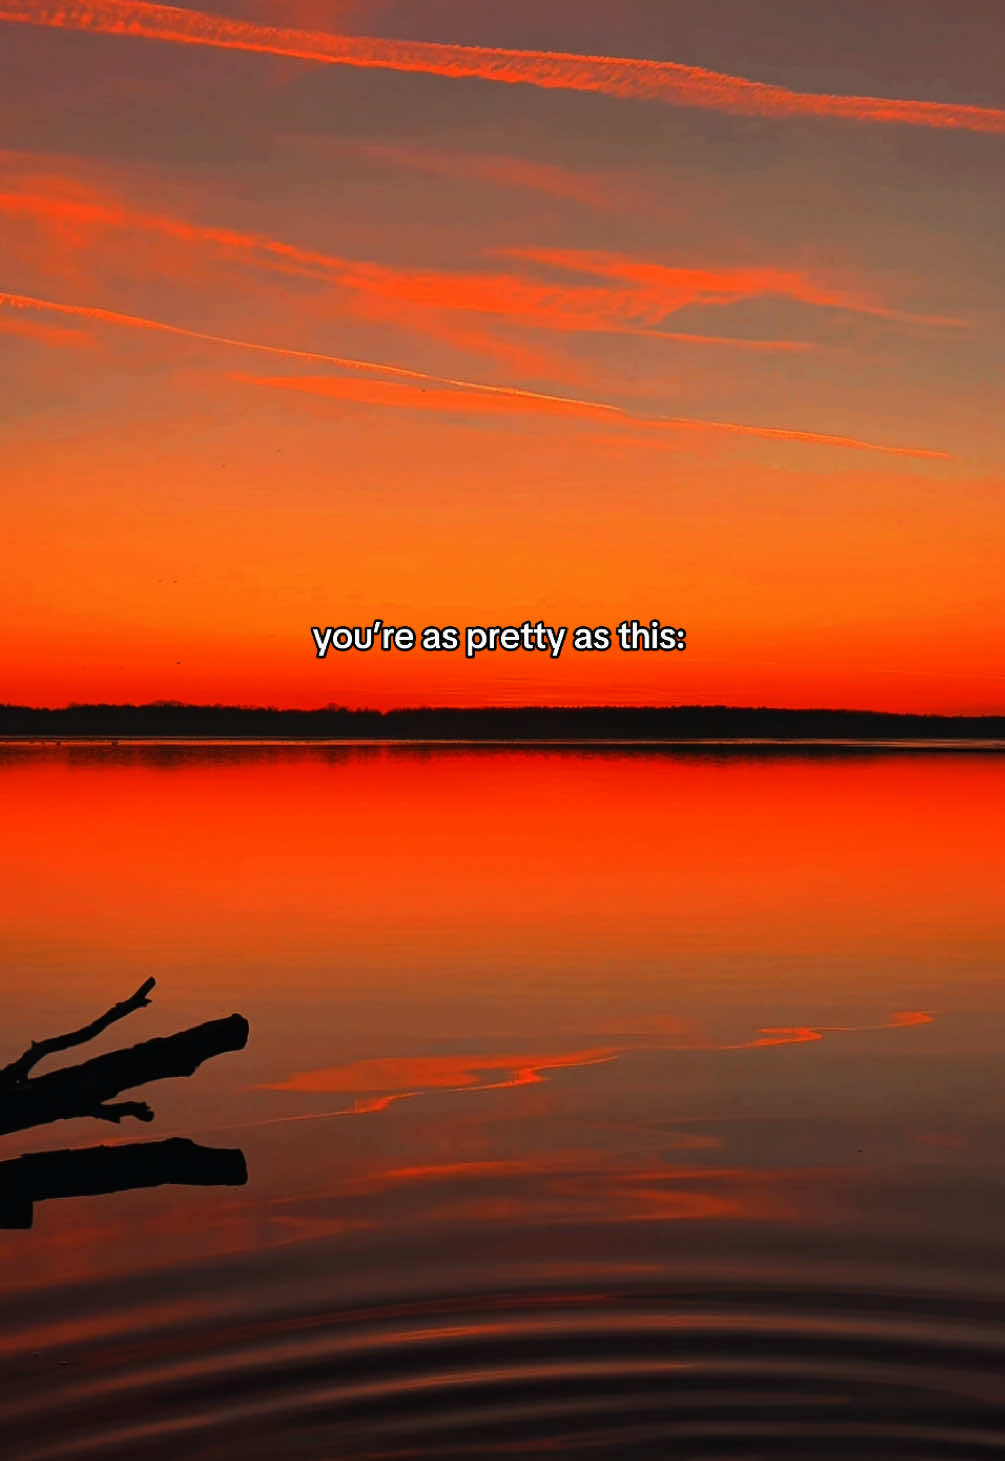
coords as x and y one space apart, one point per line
40 1175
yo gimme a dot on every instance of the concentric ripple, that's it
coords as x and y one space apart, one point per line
733 1370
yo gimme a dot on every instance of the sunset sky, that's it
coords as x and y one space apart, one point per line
314 312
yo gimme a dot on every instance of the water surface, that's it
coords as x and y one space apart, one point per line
605 1101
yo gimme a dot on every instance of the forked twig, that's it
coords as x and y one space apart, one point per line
18 1070
91 1089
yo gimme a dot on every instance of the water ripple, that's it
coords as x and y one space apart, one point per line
737 1371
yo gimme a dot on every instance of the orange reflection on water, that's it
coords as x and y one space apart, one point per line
559 1187
381 1082
801 1034
615 957
493 883
448 1072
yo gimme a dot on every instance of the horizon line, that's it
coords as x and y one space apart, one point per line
241 708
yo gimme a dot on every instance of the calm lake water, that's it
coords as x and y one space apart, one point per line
607 1103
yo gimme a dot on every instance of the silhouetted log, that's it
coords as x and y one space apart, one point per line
83 1090
41 1175
17 1071
115 1112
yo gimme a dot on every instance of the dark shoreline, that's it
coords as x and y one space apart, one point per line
613 725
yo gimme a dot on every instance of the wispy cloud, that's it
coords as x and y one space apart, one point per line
595 190
33 329
664 289
663 81
614 294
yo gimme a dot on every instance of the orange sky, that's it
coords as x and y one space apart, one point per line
312 313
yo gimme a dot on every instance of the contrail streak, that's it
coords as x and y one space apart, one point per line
395 394
138 322
618 76
410 394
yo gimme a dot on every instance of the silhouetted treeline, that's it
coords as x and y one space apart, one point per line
543 723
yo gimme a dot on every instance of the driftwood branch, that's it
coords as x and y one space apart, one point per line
41 1175
17 1071
87 1090
138 1109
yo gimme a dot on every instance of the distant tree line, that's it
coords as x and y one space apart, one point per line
532 723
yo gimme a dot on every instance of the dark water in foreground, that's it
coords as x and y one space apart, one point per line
598 1103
